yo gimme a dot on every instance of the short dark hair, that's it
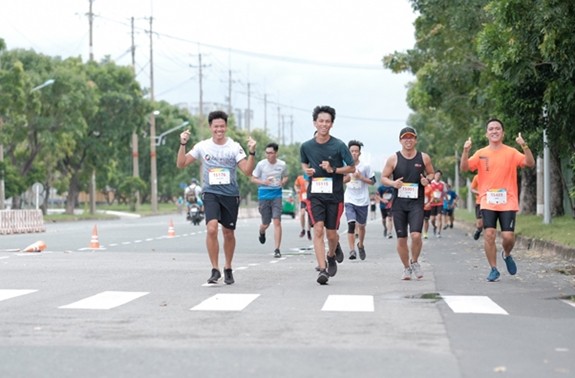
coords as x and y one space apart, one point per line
324 109
354 142
494 120
217 114
439 171
273 145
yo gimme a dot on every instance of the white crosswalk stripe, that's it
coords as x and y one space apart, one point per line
105 300
7 293
473 304
226 302
351 303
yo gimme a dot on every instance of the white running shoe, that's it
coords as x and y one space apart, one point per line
406 274
416 270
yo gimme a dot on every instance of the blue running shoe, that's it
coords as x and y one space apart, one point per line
509 263
493 275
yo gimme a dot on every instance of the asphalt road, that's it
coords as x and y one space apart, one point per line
139 306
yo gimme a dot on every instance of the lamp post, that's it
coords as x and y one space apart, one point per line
3 172
153 162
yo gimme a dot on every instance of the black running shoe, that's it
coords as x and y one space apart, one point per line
477 234
262 238
338 253
216 275
331 266
322 277
302 234
228 276
352 254
308 235
277 253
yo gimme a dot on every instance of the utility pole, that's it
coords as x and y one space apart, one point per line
249 111
3 172
265 113
153 163
229 92
200 78
279 125
135 154
92 189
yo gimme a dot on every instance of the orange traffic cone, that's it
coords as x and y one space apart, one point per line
171 230
94 243
39 246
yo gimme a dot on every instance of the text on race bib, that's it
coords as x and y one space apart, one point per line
408 191
321 185
496 196
219 176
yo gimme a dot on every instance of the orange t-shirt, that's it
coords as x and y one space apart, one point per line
427 194
497 176
475 185
301 187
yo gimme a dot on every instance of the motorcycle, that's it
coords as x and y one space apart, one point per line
195 214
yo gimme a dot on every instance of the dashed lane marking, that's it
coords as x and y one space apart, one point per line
7 293
106 300
226 302
473 304
349 303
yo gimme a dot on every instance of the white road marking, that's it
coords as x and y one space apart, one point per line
349 303
241 268
570 303
7 294
106 300
226 302
473 304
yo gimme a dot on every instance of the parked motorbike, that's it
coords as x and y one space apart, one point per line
195 214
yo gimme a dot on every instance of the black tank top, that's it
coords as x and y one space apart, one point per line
411 171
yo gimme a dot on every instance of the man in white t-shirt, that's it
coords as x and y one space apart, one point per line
270 175
220 157
356 200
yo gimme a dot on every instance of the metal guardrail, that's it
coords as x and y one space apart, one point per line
21 221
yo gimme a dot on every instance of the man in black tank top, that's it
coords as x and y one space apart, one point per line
408 171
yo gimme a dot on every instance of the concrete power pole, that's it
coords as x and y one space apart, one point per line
135 154
92 190
201 84
153 162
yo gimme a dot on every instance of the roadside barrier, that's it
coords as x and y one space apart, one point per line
21 221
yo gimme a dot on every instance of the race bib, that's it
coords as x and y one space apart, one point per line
322 185
496 196
219 176
387 196
436 195
354 183
408 191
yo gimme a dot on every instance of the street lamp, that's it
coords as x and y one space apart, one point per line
153 165
2 185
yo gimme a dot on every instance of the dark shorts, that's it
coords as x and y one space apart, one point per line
407 217
385 212
327 212
426 214
436 210
477 211
506 219
355 213
448 212
270 209
223 208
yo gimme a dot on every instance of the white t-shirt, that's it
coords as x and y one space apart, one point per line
357 191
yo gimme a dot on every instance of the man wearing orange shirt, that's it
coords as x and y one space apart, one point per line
474 187
427 194
496 167
300 186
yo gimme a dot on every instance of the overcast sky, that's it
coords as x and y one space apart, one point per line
296 53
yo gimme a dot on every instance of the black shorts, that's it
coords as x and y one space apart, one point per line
407 217
506 219
426 214
328 212
435 210
477 211
223 208
385 212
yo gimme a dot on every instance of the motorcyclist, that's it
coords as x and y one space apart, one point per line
193 195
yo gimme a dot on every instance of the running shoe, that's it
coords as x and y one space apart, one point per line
446 226
302 234
416 269
477 234
425 236
277 253
228 276
216 275
406 276
390 236
385 233
322 277
308 235
331 266
352 255
262 238
339 253
493 275
509 263
438 236
434 229
451 225
361 251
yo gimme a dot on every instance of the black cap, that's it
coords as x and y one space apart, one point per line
407 130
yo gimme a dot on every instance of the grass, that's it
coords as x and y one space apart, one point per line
561 230
143 210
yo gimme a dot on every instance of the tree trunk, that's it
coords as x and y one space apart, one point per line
73 190
528 194
556 186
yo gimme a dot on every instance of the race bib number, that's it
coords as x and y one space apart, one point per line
219 176
496 196
408 191
387 196
322 185
436 196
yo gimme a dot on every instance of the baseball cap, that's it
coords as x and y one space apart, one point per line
406 131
